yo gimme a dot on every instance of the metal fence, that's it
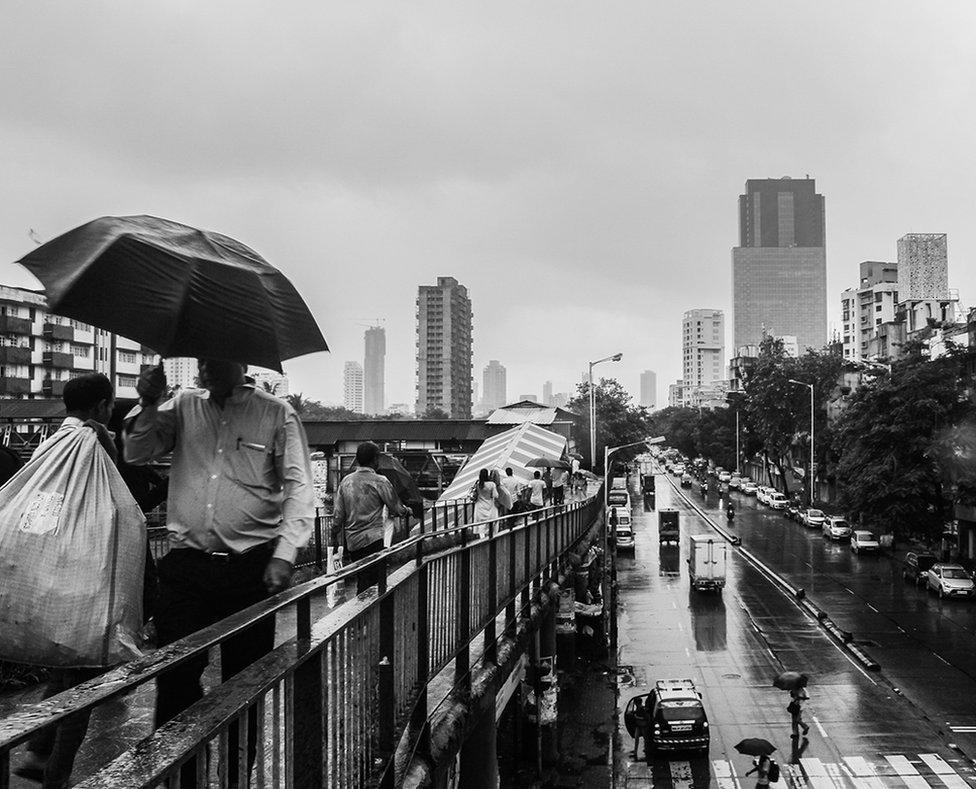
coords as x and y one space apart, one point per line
349 690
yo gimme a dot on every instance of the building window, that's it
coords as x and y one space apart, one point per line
127 357
80 350
127 380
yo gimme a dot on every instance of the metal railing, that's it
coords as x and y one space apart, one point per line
349 689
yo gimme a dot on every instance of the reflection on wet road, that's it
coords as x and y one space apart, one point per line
863 733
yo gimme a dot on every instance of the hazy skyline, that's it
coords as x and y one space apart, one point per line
576 167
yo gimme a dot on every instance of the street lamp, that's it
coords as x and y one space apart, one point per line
615 358
813 492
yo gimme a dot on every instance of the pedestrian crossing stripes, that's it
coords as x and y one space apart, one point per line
921 771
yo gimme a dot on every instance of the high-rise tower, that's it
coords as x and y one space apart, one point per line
444 348
352 387
374 371
494 392
779 269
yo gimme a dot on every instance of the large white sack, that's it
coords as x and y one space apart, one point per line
72 558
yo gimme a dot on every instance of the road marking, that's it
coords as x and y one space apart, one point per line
862 772
963 729
941 768
873 608
687 652
674 604
724 775
681 777
681 627
905 770
835 773
816 773
823 731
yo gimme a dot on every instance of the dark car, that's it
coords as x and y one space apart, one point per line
917 565
674 716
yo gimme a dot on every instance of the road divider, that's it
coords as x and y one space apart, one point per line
843 637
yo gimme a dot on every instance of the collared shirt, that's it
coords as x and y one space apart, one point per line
357 519
538 488
241 474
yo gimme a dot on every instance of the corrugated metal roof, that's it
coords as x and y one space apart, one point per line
527 411
32 409
328 433
513 448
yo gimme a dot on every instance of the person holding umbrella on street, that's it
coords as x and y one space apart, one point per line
240 506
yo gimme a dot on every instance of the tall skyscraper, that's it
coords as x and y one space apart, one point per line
374 371
868 306
444 348
648 389
779 269
923 266
494 391
547 393
702 352
352 387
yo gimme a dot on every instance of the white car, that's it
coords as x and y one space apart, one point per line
724 476
678 469
764 493
749 488
625 538
835 528
864 542
623 515
949 580
814 518
777 501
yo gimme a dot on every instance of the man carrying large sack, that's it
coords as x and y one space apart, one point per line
240 506
72 541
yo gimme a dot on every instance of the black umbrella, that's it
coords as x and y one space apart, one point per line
176 289
755 746
790 680
403 484
548 463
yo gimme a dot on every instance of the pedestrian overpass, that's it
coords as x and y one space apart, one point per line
396 687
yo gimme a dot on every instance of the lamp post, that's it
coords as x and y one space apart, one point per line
813 492
610 556
615 358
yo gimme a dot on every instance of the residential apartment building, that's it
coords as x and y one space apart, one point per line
648 389
495 386
444 323
779 269
923 266
702 351
374 370
676 394
866 307
40 351
352 387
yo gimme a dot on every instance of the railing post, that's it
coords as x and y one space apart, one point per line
419 717
387 688
527 558
318 540
510 612
462 675
491 647
307 724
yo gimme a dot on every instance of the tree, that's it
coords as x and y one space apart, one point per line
433 412
618 422
903 441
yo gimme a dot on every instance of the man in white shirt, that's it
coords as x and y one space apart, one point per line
511 483
538 488
559 478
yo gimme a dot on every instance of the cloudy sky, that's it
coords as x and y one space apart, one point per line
575 164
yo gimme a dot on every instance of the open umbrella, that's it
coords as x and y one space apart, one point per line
755 746
790 680
548 463
176 289
403 483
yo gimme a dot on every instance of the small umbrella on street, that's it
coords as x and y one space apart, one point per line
790 680
548 463
176 289
755 746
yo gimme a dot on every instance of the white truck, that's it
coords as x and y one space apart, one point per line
707 562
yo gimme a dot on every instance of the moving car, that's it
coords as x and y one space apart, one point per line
836 528
724 476
777 501
625 537
814 518
949 580
679 469
749 488
917 566
864 542
677 720
686 480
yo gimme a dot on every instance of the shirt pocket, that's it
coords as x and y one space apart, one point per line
252 463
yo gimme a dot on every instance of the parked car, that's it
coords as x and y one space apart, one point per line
625 538
836 528
676 715
749 488
778 501
618 498
864 542
736 482
678 470
724 476
917 566
949 580
813 518
622 513
764 493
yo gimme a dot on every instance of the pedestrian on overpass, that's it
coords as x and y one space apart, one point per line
559 478
537 491
240 505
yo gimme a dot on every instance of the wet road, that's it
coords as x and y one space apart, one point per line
863 732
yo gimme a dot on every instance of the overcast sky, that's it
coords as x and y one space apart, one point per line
576 165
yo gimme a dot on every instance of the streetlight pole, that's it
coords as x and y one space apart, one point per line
813 486
737 452
615 358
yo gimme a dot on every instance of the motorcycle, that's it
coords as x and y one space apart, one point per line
730 514
703 489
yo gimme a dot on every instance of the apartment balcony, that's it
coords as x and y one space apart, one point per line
65 361
13 355
54 331
10 385
11 325
52 388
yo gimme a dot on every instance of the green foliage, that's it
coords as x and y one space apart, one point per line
706 433
905 444
618 422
